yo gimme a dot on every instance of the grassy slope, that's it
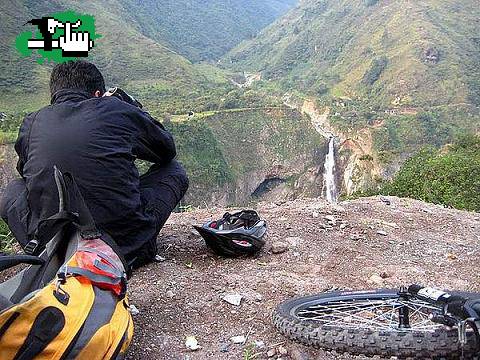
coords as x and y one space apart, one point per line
376 55
337 42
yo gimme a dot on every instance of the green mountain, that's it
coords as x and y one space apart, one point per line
204 29
126 56
409 69
142 47
425 53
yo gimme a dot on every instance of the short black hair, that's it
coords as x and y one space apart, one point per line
78 74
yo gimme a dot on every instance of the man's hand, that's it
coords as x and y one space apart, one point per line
75 42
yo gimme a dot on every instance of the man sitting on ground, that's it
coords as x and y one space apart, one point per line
97 139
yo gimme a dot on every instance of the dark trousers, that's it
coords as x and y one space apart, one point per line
161 188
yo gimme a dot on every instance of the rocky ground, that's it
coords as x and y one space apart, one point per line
312 247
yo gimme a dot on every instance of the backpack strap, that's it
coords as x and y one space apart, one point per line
116 278
7 261
72 210
85 222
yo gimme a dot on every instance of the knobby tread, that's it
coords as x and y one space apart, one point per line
440 344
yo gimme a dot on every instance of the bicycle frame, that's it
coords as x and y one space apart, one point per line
457 307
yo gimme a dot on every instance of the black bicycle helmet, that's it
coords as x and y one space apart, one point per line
235 234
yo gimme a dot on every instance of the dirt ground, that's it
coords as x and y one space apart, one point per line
182 296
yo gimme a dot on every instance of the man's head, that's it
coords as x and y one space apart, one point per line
80 75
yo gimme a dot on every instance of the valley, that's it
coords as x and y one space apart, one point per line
351 126
276 90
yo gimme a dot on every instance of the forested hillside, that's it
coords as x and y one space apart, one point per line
142 46
408 70
450 176
204 30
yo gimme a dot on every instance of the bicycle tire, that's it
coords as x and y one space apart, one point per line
441 343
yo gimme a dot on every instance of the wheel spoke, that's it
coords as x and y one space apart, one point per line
375 314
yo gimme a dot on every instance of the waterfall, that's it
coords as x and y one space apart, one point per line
329 174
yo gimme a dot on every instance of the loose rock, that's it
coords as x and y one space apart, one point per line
271 353
296 354
381 232
331 219
133 310
282 350
452 256
224 347
260 344
294 241
233 299
356 237
238 339
375 280
384 275
279 247
191 343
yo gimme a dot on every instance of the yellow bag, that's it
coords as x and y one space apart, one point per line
70 318
70 303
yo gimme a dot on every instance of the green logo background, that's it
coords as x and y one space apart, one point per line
88 24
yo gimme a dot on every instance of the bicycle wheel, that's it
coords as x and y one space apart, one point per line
369 323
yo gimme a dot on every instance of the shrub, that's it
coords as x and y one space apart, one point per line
375 71
450 176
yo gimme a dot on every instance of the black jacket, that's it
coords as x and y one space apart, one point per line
97 140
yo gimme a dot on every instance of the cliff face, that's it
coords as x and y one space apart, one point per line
358 165
244 155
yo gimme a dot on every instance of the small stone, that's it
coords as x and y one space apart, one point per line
315 214
296 254
133 310
191 343
170 294
385 200
375 280
384 275
330 218
279 247
343 226
296 354
159 258
271 353
260 344
233 299
355 237
338 209
282 350
238 339
224 347
381 232
194 233
294 241
452 256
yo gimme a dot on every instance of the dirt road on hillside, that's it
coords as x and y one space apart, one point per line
182 296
